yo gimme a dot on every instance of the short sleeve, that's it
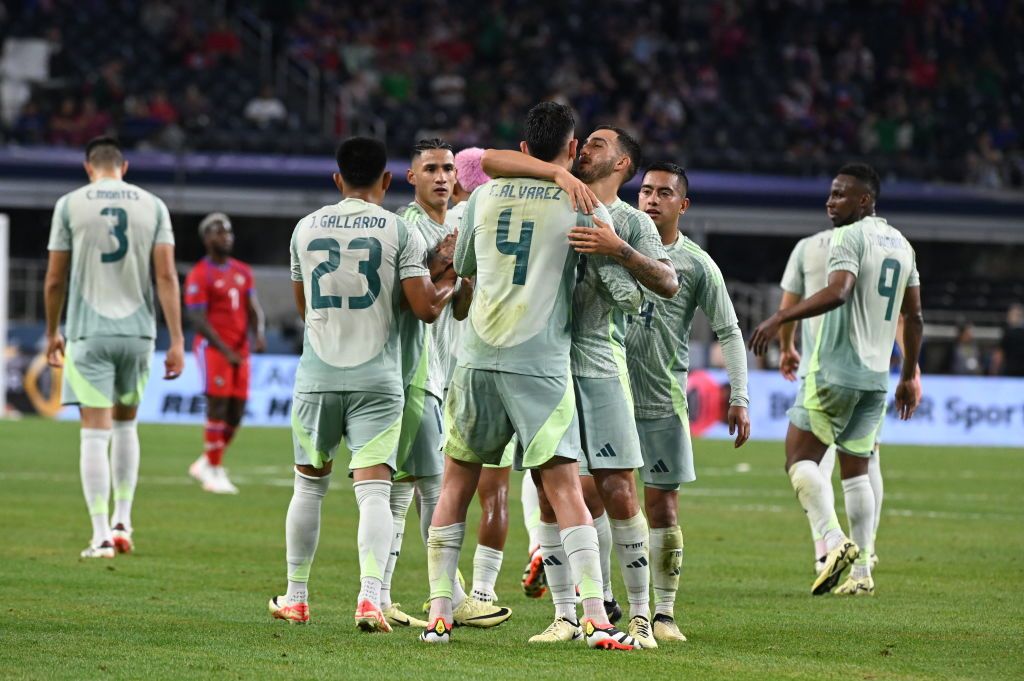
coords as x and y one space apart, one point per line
412 253
195 289
793 277
915 278
713 297
846 250
296 264
60 229
644 237
164 230
465 251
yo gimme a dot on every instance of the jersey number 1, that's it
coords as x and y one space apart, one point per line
120 232
888 284
368 268
520 249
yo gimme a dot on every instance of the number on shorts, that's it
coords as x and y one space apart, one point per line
120 232
888 282
368 267
520 249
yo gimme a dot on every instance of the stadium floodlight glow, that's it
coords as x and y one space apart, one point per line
4 288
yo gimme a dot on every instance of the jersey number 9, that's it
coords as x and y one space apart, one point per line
888 284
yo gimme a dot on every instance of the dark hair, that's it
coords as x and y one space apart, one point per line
548 126
361 161
103 151
629 146
675 169
866 174
428 144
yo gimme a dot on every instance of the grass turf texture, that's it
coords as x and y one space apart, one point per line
191 603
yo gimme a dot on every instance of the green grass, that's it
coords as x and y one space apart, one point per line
191 602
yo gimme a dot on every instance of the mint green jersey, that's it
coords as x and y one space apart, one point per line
454 328
658 339
425 354
605 293
854 344
110 227
351 257
515 239
805 275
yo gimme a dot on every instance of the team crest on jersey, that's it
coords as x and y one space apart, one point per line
219 283
239 279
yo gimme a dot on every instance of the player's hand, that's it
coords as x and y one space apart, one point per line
908 396
233 357
739 425
174 362
789 364
600 239
259 345
582 197
55 350
764 334
446 249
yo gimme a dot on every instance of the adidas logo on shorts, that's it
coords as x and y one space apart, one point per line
659 467
606 451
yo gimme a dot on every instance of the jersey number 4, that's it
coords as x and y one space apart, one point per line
520 249
368 267
119 229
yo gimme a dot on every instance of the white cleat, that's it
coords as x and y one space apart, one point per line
558 631
218 482
200 469
640 629
104 550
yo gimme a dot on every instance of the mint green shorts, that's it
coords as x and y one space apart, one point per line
668 452
607 428
365 425
106 370
485 409
846 417
419 447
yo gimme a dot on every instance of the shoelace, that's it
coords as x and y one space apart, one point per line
644 629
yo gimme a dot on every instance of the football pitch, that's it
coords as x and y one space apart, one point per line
191 602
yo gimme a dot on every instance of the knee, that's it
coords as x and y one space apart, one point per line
662 508
618 491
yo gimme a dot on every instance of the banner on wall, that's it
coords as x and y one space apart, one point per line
955 410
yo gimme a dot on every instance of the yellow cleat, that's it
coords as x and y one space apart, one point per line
666 629
559 631
640 629
865 586
396 618
473 612
836 562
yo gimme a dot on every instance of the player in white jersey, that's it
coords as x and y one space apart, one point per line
872 279
351 263
513 371
111 236
805 275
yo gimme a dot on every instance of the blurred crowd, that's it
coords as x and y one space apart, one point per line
931 89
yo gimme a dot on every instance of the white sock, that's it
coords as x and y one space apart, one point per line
376 530
443 547
94 467
605 544
302 531
557 571
401 499
486 566
666 566
124 469
809 485
531 510
860 509
429 491
826 466
580 544
631 548
875 475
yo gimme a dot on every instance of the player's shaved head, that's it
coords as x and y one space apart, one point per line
867 176
549 127
361 161
104 152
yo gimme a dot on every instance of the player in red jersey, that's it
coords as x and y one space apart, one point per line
222 305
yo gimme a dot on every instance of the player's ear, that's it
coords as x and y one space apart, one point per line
573 146
523 148
684 205
385 180
124 168
410 176
338 182
88 169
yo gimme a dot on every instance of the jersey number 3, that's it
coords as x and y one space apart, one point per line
368 268
120 231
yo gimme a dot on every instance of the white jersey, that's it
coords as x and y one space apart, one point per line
806 274
350 258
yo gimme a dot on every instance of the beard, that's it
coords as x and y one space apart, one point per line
594 171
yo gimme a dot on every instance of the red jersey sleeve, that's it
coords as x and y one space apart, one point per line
195 288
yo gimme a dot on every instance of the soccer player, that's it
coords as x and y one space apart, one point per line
220 297
805 274
872 278
513 373
658 355
349 262
111 236
608 160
